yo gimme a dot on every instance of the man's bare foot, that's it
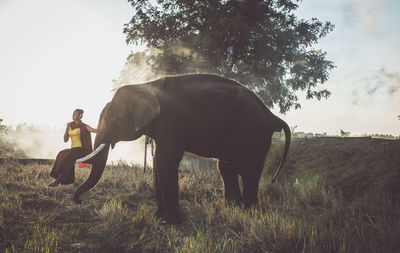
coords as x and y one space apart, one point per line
56 182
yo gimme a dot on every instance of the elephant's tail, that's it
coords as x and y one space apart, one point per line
282 125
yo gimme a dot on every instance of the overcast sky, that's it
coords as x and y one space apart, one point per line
59 55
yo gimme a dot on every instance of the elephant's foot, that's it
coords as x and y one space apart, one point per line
172 218
56 182
234 199
168 217
159 213
234 202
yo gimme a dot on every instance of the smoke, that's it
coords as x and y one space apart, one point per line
45 143
130 152
138 66
136 70
36 142
382 85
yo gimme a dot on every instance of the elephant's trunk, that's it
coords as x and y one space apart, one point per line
99 163
285 128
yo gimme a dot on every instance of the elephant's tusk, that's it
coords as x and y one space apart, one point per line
91 155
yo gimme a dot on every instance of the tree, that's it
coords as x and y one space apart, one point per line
3 130
260 43
344 133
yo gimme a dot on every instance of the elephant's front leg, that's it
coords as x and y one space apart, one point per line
166 163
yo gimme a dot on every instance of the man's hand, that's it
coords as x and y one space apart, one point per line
66 136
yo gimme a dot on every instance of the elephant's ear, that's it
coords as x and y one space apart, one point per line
146 109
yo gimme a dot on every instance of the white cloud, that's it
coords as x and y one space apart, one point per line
379 86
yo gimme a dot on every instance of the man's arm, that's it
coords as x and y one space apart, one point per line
90 129
66 136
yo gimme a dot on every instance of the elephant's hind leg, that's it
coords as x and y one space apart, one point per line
231 183
250 190
251 174
250 184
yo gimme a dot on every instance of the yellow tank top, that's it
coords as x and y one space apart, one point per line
75 137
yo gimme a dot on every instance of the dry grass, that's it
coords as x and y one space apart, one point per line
334 195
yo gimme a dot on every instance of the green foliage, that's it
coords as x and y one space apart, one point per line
344 133
3 130
42 241
259 43
382 136
7 148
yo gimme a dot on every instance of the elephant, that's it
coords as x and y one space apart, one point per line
204 114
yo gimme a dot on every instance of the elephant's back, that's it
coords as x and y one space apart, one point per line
211 100
203 93
210 94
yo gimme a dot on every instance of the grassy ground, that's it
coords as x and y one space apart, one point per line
334 195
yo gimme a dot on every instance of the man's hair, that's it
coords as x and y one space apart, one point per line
80 111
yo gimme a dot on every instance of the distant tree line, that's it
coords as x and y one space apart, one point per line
382 136
342 133
7 148
3 130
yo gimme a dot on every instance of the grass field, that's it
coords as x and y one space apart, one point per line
333 195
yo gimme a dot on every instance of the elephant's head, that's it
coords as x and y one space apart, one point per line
122 119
